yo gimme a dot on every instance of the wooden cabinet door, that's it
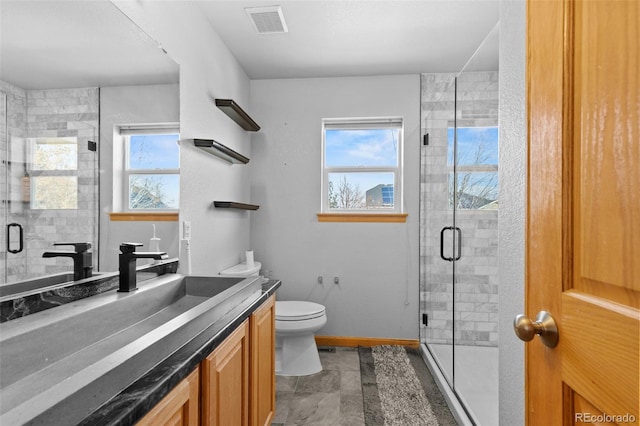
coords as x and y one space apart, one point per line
263 365
583 213
225 381
179 407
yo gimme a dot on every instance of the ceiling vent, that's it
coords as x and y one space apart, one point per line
268 19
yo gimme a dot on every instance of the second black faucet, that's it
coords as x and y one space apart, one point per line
127 264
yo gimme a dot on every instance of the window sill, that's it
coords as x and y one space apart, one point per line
144 217
363 217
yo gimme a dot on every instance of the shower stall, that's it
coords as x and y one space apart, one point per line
459 231
49 179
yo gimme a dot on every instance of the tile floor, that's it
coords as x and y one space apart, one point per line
334 396
331 397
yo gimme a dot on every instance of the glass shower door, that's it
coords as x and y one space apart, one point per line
50 179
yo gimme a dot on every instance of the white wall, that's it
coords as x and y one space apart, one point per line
131 105
207 71
513 151
375 262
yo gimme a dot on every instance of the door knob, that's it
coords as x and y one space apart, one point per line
544 326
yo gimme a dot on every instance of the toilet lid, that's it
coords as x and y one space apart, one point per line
292 310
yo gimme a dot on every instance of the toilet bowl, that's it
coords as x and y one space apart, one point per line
296 351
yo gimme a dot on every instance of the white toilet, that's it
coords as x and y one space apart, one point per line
296 351
296 323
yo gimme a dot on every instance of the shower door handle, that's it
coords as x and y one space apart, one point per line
459 244
21 240
449 228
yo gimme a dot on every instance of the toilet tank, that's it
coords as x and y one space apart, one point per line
242 270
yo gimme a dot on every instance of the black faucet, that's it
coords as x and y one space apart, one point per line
127 263
82 258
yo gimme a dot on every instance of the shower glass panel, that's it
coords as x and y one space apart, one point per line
476 214
3 185
50 177
436 221
459 229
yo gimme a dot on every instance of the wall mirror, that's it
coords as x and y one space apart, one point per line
56 58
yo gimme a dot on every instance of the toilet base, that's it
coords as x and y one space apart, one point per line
298 354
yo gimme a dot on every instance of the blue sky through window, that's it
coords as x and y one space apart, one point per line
154 152
474 143
367 147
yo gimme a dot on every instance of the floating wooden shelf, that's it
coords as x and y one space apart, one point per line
234 205
237 114
220 151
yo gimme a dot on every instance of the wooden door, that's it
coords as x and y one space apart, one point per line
225 381
263 364
180 407
583 214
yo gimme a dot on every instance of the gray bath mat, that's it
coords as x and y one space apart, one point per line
398 389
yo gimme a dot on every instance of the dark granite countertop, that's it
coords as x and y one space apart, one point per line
138 398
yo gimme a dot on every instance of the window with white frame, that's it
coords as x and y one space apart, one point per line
362 165
151 172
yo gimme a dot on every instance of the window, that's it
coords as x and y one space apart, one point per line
474 184
362 165
151 168
54 173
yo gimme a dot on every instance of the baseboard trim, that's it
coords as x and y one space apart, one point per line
350 341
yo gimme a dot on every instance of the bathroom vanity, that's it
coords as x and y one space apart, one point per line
179 350
234 385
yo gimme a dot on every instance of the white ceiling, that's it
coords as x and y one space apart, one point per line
356 37
57 44
63 44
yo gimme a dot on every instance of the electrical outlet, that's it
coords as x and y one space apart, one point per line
319 279
336 280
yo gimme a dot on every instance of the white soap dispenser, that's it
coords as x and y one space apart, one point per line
154 242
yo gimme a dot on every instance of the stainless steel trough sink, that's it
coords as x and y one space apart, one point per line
49 356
